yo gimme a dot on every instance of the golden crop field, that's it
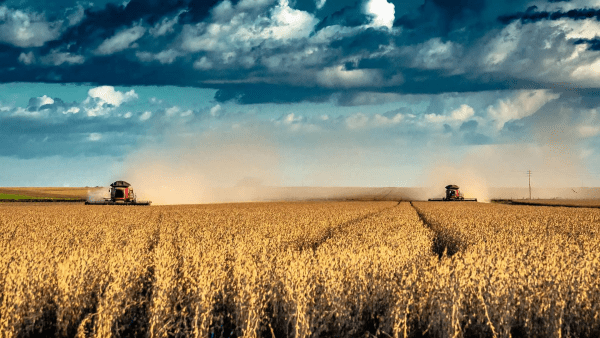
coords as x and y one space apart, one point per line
309 269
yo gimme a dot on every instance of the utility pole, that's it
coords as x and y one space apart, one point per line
529 174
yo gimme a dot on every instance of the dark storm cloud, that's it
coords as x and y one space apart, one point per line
587 98
304 50
441 17
532 15
116 15
445 12
305 5
368 40
593 44
349 16
8 55
198 10
98 25
252 94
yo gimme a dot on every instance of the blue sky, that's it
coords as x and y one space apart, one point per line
305 92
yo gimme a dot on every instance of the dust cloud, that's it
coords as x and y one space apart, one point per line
204 168
548 143
472 184
501 172
98 194
229 164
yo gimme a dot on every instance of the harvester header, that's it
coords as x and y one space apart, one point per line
453 194
121 193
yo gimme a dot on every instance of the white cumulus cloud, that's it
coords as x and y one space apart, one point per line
72 110
56 58
44 100
172 111
523 104
121 41
26 58
382 120
291 119
289 23
109 95
165 26
101 100
456 117
358 120
95 137
237 29
463 113
25 29
166 56
216 110
145 116
382 13
435 54
203 63
504 44
340 77
588 131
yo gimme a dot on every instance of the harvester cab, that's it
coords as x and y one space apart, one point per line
453 194
121 193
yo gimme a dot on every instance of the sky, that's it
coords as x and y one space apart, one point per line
372 93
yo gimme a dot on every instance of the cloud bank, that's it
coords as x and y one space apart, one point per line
292 51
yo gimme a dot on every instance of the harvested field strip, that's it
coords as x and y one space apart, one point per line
559 203
43 200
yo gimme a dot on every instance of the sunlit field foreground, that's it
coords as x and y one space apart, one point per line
300 269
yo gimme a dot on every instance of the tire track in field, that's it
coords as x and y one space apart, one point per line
334 230
443 243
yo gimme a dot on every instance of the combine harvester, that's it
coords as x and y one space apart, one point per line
453 195
120 194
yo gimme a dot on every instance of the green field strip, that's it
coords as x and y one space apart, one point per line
24 197
16 197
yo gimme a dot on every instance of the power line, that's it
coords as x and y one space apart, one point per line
529 174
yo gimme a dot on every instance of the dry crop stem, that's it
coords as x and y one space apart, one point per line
299 270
